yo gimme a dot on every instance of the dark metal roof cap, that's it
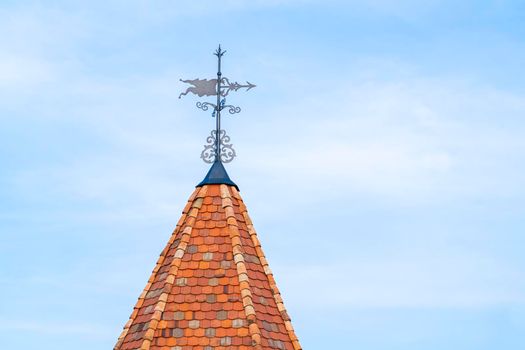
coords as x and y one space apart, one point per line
217 175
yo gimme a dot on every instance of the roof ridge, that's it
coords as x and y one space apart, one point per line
154 272
174 267
187 221
238 257
262 258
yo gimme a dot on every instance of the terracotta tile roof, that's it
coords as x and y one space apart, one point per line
212 287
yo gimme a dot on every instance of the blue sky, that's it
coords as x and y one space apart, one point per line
381 157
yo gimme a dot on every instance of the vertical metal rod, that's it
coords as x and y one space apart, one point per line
218 108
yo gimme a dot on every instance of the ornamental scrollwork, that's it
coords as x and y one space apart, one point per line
205 105
232 109
227 152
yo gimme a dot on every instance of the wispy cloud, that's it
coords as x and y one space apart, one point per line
409 281
50 328
410 139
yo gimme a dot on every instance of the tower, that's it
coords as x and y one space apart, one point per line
211 288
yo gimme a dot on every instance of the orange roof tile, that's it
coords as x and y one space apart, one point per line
212 287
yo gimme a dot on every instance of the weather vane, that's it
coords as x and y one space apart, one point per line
218 146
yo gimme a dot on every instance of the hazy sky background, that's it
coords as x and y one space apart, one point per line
381 156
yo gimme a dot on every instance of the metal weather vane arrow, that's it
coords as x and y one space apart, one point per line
235 86
218 148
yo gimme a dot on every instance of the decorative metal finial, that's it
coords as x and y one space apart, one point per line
218 146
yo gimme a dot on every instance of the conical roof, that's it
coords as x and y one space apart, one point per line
212 287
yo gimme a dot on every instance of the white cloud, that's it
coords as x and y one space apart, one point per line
64 328
38 44
406 139
404 281
20 71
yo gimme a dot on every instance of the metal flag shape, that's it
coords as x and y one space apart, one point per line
201 87
218 149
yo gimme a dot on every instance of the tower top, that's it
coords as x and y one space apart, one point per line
212 287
